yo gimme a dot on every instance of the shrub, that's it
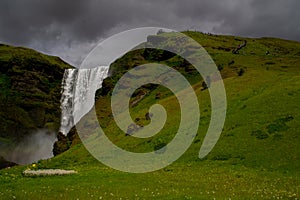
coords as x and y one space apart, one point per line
277 127
220 67
222 157
160 31
160 146
241 72
231 62
270 63
259 134
158 96
197 141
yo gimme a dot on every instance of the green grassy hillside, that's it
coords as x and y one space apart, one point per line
257 156
30 85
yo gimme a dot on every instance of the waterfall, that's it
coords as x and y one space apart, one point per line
78 93
67 102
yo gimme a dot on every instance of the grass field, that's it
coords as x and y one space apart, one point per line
257 156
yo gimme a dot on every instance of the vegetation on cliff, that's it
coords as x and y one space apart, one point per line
30 85
257 156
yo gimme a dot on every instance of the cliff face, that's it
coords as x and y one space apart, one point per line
30 85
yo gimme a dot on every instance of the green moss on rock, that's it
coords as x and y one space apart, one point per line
30 91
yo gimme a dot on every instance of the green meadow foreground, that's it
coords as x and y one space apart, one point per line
257 156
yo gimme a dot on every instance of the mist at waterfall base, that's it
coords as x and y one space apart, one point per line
78 93
34 147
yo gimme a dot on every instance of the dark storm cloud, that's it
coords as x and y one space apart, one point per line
254 18
83 19
71 28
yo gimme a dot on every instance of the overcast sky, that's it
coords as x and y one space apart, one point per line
71 28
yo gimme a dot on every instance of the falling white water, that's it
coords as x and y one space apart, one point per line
78 93
67 100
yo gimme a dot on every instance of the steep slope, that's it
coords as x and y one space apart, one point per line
30 93
262 84
257 156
